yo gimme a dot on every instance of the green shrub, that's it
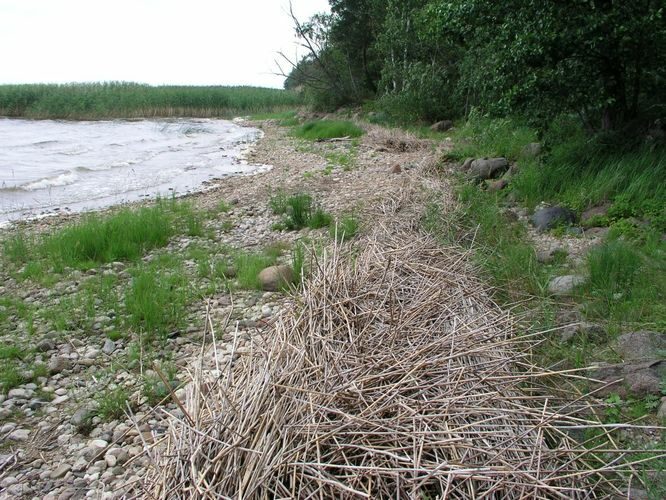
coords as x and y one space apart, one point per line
327 129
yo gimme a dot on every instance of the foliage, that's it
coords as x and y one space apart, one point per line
429 59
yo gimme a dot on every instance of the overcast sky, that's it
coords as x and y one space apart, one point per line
197 42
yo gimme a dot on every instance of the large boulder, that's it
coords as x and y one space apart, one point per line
488 168
276 277
642 345
550 217
625 379
441 126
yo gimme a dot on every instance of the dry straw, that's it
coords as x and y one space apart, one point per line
393 375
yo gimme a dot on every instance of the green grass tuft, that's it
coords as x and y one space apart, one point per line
327 129
111 404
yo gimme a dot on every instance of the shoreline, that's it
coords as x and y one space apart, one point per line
81 353
100 206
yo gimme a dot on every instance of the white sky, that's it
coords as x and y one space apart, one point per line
189 42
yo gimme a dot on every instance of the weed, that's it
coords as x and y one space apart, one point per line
11 352
154 389
10 377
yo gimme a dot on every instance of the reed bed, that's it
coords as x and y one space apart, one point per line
392 375
131 100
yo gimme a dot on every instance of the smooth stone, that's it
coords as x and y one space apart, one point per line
109 347
550 217
564 285
61 471
19 435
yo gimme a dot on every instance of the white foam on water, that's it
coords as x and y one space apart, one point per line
48 165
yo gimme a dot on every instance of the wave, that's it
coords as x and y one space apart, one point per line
62 179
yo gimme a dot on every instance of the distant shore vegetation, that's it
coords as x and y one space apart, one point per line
133 100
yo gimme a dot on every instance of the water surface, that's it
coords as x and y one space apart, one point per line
47 165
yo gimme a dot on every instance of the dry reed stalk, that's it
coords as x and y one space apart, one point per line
393 375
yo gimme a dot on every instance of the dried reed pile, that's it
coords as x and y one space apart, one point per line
392 376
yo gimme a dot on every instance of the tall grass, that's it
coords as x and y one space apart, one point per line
157 298
97 239
132 100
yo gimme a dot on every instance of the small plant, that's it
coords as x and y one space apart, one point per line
10 377
299 211
345 228
112 403
614 409
157 298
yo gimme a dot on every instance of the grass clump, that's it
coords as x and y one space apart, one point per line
158 296
344 228
112 403
299 211
125 235
154 389
327 129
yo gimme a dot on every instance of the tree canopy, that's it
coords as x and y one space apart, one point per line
604 60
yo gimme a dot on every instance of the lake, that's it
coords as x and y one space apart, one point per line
48 166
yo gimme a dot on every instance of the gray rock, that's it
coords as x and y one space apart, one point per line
564 285
275 277
642 345
109 347
57 364
19 435
498 185
61 471
583 328
19 393
597 232
550 217
81 418
532 150
637 379
441 126
548 256
590 213
488 168
45 345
